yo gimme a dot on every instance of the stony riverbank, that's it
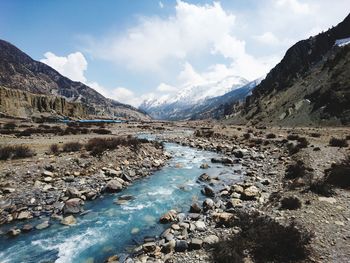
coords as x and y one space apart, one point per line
51 186
266 190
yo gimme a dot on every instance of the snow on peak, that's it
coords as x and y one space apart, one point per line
342 42
192 94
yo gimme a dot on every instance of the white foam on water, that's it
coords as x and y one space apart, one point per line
71 246
136 207
161 191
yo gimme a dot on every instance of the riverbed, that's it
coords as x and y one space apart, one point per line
107 228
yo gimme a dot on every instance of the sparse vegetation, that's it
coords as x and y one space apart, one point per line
10 126
302 142
338 142
290 203
315 134
54 149
264 240
293 137
296 170
270 136
246 136
101 131
15 152
339 174
97 146
72 147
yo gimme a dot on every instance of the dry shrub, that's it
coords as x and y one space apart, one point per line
290 203
15 152
293 137
97 146
339 174
270 136
338 142
10 126
264 240
315 135
296 170
101 131
72 147
246 136
54 149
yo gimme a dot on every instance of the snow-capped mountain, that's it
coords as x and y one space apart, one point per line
171 106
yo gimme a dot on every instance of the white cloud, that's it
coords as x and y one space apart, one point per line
295 6
162 87
72 66
268 38
161 5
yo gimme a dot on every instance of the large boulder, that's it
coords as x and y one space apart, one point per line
113 186
73 206
168 217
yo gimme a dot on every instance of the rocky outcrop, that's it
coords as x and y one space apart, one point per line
22 104
309 86
18 71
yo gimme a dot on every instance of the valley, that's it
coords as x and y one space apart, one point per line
219 169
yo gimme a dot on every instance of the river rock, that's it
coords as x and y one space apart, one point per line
181 246
43 225
113 186
211 239
250 193
24 215
112 172
204 166
72 192
27 228
113 259
47 174
208 191
208 204
73 206
237 189
234 202
169 246
204 177
149 247
195 244
223 218
14 232
69 220
195 208
223 160
168 217
200 225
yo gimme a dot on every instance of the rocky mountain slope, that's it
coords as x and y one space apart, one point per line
181 105
19 71
311 84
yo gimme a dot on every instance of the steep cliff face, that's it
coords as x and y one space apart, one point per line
21 72
23 104
311 84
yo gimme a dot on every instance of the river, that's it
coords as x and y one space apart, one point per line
107 228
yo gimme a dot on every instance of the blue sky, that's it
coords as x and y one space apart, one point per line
133 50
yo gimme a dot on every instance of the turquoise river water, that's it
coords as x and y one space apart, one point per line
107 228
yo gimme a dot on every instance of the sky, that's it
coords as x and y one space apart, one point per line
136 50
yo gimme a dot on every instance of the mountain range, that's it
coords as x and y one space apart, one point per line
311 84
189 101
30 88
